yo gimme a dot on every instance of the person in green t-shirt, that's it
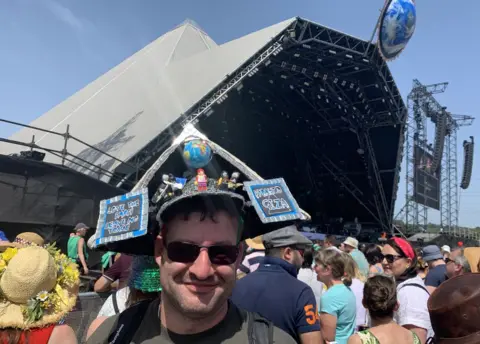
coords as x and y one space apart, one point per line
77 249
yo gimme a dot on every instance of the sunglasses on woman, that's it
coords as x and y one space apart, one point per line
390 258
184 252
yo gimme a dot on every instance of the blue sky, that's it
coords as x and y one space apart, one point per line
52 48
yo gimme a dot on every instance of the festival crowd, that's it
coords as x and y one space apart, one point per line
205 282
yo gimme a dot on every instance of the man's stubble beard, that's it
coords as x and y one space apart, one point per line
171 297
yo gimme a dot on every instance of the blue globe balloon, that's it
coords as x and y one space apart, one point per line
396 27
197 153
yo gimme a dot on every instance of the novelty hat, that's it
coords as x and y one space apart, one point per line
130 223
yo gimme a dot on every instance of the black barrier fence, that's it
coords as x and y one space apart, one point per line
85 311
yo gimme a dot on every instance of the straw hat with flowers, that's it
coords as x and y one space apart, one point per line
38 286
22 240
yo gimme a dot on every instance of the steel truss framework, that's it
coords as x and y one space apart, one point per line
353 58
423 107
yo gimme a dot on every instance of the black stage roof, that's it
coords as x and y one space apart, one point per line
319 108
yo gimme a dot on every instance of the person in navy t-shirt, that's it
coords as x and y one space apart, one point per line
274 291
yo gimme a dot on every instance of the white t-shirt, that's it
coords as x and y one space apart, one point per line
108 310
413 305
309 277
335 248
357 289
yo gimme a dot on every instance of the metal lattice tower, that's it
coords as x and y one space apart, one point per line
423 107
416 133
449 183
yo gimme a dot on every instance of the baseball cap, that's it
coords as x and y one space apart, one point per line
446 248
286 236
80 226
431 252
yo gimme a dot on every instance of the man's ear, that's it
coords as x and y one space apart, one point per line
287 254
397 306
159 248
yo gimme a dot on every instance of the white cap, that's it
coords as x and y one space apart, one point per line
446 248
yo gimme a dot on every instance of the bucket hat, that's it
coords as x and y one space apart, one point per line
38 287
351 242
431 252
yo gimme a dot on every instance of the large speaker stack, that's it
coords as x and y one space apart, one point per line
440 130
467 163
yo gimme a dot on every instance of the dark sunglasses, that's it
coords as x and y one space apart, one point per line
390 258
448 260
184 252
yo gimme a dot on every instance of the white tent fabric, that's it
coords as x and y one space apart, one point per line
130 105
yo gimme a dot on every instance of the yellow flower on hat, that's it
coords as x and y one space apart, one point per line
9 254
3 265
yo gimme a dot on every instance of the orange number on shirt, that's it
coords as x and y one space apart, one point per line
311 315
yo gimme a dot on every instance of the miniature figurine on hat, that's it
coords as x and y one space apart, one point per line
201 180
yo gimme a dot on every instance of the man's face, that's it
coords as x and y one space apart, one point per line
347 248
455 253
198 288
294 256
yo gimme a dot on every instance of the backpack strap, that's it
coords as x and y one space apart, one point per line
115 303
128 323
259 329
414 285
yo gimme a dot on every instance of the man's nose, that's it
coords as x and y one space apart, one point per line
202 266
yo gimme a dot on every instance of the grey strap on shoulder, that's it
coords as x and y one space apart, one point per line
115 303
414 285
260 330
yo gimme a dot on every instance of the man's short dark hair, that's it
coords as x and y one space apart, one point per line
332 239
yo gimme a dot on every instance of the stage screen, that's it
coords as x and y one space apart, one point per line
426 181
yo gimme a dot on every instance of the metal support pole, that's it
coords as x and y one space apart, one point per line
66 137
32 143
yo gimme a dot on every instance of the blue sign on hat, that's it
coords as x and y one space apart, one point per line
123 217
272 200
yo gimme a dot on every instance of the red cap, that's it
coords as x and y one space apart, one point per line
405 246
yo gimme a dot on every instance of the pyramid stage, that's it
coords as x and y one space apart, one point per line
295 100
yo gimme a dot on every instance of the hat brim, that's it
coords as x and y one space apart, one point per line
429 258
350 244
11 315
255 245
4 245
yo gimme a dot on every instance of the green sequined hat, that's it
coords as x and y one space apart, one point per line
145 275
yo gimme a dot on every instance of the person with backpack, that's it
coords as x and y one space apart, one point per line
400 261
197 250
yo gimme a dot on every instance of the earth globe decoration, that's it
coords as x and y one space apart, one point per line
397 25
197 153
